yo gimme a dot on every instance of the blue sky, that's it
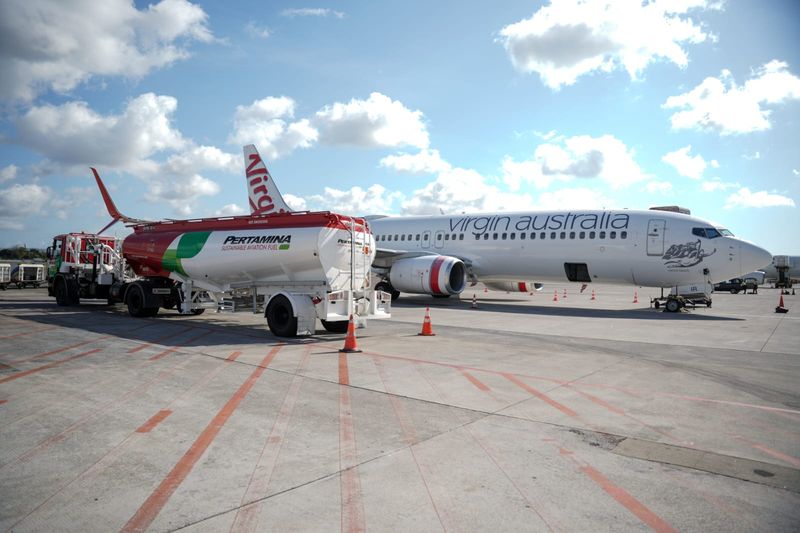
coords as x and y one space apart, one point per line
401 108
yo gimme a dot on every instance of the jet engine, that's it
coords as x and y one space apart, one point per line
429 274
514 286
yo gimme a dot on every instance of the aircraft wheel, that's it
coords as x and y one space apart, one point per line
280 317
673 306
338 326
387 287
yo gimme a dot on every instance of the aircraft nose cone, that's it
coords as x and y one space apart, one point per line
753 257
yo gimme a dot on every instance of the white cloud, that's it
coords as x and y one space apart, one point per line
8 173
372 200
20 201
658 187
716 184
73 136
377 121
196 158
312 12
73 133
796 172
267 123
67 202
718 104
460 189
606 158
55 45
295 202
181 193
570 38
424 162
229 210
253 29
746 198
690 166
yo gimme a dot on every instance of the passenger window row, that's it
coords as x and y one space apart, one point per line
553 235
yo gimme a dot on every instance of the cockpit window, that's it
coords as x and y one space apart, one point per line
725 232
711 233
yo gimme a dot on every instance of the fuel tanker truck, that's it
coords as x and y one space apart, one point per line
308 266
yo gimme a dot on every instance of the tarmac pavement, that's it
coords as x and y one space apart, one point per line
525 414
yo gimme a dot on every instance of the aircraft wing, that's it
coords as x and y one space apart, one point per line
384 257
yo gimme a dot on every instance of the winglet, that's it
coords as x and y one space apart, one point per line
112 208
262 191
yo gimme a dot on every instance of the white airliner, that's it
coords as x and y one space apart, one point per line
439 255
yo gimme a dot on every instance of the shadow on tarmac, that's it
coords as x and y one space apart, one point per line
503 306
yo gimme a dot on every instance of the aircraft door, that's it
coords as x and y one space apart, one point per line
426 239
655 236
438 241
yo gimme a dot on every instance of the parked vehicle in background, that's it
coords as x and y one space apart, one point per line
5 275
751 284
27 275
732 285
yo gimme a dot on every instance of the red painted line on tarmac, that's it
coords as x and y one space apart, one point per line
155 420
778 455
233 356
246 519
148 511
29 332
118 451
58 350
177 347
791 413
62 435
48 365
624 497
475 381
640 510
353 518
3 401
155 341
344 375
542 396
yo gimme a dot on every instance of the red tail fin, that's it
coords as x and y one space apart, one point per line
112 208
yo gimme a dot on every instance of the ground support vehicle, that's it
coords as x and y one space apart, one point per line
5 275
783 265
683 296
27 275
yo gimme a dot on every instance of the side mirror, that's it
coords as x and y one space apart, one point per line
49 253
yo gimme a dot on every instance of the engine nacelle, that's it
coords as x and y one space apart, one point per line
514 286
429 274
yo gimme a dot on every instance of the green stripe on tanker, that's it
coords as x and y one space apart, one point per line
189 245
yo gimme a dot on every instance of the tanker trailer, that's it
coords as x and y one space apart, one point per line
307 266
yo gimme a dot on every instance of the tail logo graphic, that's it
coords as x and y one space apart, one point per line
258 177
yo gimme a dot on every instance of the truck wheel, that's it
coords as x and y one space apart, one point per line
673 306
61 293
337 326
280 317
135 300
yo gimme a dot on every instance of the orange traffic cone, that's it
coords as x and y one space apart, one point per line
427 331
593 296
781 308
635 297
474 302
555 295
565 293
350 340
